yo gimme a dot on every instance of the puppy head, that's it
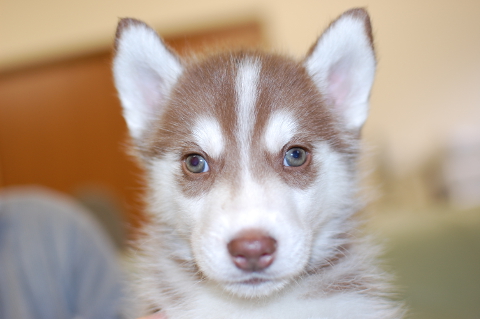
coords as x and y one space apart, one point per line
250 156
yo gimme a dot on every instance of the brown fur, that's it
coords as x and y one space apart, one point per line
207 88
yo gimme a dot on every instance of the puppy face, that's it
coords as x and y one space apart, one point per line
244 129
250 156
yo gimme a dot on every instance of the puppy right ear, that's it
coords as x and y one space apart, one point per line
342 65
145 71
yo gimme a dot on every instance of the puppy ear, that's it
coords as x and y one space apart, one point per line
342 65
145 71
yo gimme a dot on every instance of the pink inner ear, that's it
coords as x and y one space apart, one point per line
149 84
339 85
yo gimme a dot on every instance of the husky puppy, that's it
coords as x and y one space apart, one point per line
251 164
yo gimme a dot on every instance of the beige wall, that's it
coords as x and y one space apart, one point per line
428 81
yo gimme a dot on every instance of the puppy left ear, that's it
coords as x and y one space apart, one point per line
145 71
342 65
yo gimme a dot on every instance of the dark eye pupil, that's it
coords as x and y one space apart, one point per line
296 154
194 161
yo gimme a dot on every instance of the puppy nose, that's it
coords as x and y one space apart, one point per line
252 250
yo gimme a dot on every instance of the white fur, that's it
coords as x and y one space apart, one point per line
343 66
280 130
208 136
246 90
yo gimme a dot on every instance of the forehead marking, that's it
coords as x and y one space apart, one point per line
246 87
280 129
208 135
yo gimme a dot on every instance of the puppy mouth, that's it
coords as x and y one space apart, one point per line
254 281
255 287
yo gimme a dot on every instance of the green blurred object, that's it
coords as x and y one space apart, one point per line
436 259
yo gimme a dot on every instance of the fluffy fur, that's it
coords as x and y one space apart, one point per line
242 112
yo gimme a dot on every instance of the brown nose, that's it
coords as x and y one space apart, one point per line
252 250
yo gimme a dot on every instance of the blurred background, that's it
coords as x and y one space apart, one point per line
61 124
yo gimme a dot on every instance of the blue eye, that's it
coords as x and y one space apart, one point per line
196 164
295 157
